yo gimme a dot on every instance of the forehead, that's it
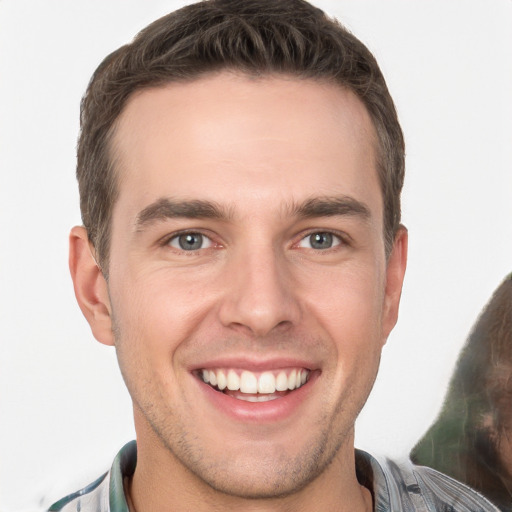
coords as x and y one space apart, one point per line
230 137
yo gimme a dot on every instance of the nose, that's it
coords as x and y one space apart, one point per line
259 293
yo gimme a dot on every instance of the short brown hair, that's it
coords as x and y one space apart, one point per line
257 37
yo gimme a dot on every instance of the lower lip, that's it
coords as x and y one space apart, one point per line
270 411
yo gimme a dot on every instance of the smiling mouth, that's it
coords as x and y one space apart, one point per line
255 386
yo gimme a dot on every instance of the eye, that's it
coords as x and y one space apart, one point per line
320 240
190 242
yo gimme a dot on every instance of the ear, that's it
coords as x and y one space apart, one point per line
395 273
90 286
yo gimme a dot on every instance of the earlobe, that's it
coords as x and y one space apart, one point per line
90 286
395 273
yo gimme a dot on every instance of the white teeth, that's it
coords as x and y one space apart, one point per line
281 382
248 383
264 384
233 383
222 382
291 380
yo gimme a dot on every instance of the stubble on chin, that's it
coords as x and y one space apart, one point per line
279 475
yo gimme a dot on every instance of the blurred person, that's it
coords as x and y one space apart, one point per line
471 440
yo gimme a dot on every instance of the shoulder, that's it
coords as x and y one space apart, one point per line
404 486
106 494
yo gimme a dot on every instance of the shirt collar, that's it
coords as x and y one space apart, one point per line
123 466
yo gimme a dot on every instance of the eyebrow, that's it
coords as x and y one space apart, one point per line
166 208
330 207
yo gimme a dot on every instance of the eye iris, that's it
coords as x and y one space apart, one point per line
190 241
321 240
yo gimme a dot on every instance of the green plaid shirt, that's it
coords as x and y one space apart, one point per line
397 487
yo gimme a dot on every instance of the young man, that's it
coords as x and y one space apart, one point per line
240 167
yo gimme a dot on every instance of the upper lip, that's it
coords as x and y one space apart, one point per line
255 364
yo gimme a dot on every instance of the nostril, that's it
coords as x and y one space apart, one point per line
284 324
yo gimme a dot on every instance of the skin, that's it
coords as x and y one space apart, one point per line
257 291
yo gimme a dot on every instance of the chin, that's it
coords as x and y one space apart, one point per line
253 478
252 469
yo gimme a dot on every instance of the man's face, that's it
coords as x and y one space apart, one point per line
247 250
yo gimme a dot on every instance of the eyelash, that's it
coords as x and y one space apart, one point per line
166 242
339 239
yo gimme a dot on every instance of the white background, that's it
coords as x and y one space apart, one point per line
64 411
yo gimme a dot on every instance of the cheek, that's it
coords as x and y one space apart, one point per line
155 313
147 338
348 301
348 310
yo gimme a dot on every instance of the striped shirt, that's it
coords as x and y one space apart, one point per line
396 487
